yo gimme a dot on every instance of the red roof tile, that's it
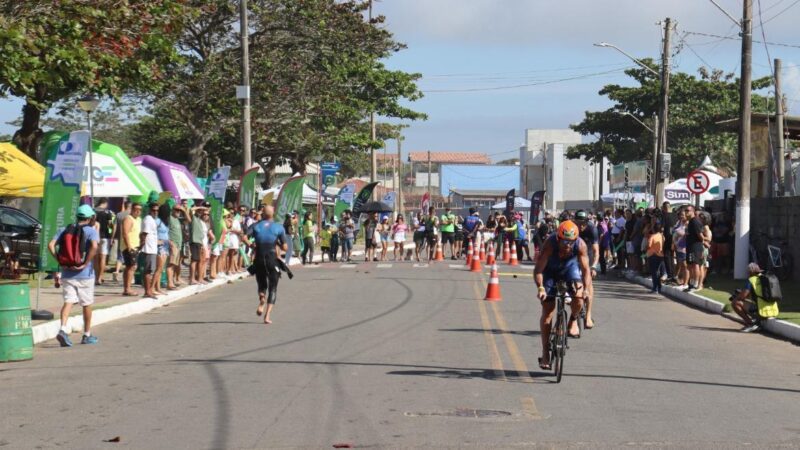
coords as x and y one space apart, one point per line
450 157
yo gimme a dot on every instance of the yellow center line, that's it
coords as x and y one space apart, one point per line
529 408
494 353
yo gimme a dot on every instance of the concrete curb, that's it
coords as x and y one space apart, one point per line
48 330
780 328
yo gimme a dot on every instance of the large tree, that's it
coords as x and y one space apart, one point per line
696 105
56 50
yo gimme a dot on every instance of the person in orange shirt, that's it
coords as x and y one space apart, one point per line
655 255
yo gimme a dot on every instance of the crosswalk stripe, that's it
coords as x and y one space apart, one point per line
384 266
420 265
348 266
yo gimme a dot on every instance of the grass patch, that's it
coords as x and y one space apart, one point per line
721 287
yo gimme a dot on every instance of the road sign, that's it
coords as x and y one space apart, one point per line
697 182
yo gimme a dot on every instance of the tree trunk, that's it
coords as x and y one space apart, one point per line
28 137
197 154
269 172
298 164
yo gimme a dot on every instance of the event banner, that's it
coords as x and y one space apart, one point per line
345 199
247 188
537 199
328 172
290 197
217 184
363 197
62 187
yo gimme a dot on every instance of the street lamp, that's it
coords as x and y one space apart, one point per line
88 103
643 65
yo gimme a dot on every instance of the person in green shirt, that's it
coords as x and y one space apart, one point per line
325 242
448 222
179 214
308 231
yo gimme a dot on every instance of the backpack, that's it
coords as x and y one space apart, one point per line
70 246
770 287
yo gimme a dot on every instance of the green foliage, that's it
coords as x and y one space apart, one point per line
54 50
695 107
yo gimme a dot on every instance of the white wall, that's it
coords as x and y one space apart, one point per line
421 179
531 155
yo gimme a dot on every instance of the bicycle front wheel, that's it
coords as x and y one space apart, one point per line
561 344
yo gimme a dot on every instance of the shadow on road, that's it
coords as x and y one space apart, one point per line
227 322
493 331
701 383
728 330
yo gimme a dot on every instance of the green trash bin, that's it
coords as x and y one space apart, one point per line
16 337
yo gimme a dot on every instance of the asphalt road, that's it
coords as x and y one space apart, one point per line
404 356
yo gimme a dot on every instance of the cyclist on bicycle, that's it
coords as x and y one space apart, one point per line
590 237
564 257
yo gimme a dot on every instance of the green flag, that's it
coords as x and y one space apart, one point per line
247 188
290 197
62 188
345 199
217 184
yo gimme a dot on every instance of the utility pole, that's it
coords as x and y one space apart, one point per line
374 157
779 130
244 93
399 175
664 119
656 167
742 239
429 177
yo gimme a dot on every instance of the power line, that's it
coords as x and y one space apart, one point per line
776 15
778 44
515 86
453 75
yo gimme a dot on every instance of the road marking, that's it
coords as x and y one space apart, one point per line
384 266
517 274
513 350
494 353
529 408
457 266
420 265
348 266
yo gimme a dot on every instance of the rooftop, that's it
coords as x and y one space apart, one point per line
450 157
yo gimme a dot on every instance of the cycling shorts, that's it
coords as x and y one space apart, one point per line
569 272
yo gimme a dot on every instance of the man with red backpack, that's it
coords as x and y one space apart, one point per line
75 248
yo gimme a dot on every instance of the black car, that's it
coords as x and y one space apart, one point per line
19 235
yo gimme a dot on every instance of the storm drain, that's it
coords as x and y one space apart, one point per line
463 412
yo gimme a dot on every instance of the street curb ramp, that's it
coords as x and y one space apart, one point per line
786 330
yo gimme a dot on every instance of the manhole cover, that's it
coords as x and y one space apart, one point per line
463 412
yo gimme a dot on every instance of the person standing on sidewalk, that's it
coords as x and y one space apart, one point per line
104 224
309 232
150 249
348 235
655 255
448 228
419 234
175 245
162 230
130 244
668 223
695 250
288 226
78 281
334 230
431 232
196 247
126 211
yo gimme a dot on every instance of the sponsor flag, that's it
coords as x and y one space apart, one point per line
389 198
290 197
62 187
217 184
363 197
247 188
345 199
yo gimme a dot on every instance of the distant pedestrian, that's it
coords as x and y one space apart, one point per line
78 278
385 231
419 235
325 242
309 232
126 210
371 237
288 226
458 238
197 239
177 216
162 227
150 249
131 244
333 228
448 227
347 232
695 251
655 255
105 225
399 237
432 232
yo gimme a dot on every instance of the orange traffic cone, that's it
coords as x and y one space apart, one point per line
470 251
506 253
514 261
493 288
490 258
475 266
439 255
483 253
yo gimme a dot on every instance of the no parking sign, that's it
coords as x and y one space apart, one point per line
698 182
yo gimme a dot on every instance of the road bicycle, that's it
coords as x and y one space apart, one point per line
558 329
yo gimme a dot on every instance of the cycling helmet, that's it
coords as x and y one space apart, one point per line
581 215
568 231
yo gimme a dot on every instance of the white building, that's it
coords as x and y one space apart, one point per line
569 183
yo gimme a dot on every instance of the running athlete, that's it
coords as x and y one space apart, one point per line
564 257
267 235
591 238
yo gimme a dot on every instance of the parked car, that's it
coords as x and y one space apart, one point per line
19 239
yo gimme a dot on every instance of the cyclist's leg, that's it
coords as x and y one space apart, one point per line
548 308
571 273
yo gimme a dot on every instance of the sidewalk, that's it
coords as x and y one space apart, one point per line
782 328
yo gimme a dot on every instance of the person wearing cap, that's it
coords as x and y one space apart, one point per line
130 245
149 238
448 228
745 301
78 281
179 215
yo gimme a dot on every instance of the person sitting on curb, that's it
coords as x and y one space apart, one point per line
745 302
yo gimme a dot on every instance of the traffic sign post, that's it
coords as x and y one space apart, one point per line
697 183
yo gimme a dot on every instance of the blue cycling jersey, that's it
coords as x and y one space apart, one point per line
558 269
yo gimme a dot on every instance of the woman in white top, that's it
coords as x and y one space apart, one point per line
399 236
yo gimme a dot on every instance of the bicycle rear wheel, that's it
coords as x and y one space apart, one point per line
560 344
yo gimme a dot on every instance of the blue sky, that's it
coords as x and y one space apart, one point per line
479 44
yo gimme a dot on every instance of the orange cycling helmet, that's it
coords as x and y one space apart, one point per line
568 231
